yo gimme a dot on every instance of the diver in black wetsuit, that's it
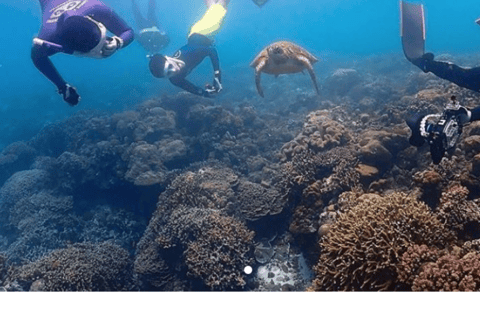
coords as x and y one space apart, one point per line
442 131
198 47
176 68
152 37
437 132
464 77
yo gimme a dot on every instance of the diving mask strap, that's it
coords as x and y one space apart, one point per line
97 51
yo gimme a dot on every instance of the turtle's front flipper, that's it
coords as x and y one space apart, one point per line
309 67
258 73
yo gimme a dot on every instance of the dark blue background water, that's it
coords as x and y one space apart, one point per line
328 28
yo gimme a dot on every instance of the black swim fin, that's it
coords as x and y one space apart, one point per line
260 3
412 28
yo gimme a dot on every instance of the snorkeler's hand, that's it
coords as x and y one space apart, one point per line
217 85
70 95
209 91
112 45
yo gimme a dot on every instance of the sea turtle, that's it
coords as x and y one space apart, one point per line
283 57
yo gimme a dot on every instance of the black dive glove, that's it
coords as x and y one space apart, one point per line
70 95
414 122
423 61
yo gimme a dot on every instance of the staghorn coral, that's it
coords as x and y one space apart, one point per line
220 252
363 247
80 267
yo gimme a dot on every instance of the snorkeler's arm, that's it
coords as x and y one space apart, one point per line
41 60
215 62
113 23
187 85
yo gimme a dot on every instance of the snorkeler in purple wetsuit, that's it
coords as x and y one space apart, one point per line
77 27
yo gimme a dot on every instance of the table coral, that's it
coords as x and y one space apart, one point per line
363 248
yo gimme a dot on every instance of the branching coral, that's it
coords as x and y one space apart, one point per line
192 228
81 267
220 252
459 214
364 245
453 271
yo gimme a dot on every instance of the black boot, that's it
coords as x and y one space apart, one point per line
423 61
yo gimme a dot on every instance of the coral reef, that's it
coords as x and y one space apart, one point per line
363 248
341 81
220 252
459 214
319 133
80 267
195 189
193 219
431 269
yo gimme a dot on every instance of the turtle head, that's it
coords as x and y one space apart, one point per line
275 51
278 54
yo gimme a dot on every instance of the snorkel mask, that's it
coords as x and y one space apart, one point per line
97 51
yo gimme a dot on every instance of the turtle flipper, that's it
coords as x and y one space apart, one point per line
258 73
309 67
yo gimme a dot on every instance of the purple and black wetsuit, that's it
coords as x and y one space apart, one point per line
52 11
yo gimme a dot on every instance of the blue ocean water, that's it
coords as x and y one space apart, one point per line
328 28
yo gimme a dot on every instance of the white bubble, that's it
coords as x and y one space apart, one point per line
248 270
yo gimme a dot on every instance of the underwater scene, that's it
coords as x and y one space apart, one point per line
244 145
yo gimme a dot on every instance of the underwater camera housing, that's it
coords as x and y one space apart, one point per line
442 131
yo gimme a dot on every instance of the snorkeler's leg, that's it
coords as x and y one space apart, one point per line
464 77
151 14
141 22
223 3
211 22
